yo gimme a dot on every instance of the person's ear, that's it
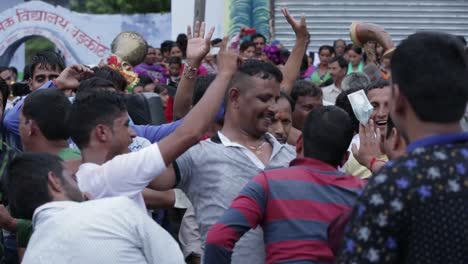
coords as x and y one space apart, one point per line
103 133
55 184
33 128
344 159
234 96
300 147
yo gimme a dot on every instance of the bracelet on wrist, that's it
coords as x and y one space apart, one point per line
373 161
189 71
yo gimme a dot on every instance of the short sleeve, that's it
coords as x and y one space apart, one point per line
24 232
183 168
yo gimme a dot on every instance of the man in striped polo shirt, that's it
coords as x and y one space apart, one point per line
294 205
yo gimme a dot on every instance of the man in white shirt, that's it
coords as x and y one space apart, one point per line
337 68
114 230
99 127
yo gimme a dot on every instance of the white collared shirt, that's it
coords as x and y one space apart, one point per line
124 175
330 93
112 230
255 160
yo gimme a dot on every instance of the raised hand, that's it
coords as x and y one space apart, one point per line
198 44
369 144
228 60
299 27
72 75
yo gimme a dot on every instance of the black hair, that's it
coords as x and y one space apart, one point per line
462 39
49 108
182 42
100 107
338 40
106 72
175 44
5 90
144 80
50 60
390 126
304 64
348 47
343 102
14 70
216 41
305 88
356 49
341 62
327 134
27 72
161 87
166 46
284 54
201 85
258 35
255 68
4 68
27 182
245 45
290 100
174 60
430 69
92 85
20 89
377 84
327 47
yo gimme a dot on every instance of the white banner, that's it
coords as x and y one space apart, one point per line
82 38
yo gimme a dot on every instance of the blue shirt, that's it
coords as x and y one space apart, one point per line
152 133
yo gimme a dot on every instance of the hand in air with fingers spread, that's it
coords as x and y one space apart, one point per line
198 44
369 147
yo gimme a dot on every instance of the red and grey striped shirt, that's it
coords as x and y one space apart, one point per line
294 206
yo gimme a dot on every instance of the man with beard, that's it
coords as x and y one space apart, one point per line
337 68
294 205
213 172
111 230
282 121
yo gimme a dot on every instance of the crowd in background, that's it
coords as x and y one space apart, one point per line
259 156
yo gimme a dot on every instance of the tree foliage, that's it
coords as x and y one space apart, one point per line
120 6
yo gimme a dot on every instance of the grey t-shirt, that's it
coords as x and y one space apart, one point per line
212 175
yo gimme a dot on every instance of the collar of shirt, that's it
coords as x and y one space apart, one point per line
269 137
315 164
440 139
48 210
332 89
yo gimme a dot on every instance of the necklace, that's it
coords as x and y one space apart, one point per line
258 149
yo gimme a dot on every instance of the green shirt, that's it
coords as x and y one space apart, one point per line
317 79
69 154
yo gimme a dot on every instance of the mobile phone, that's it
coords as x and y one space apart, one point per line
250 31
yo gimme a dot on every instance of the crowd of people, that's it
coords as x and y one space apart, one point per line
260 157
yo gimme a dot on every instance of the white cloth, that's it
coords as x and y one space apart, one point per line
253 158
112 230
124 175
330 93
189 234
